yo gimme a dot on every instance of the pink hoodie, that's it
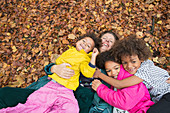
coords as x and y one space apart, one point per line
134 99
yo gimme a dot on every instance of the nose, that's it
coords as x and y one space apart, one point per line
113 73
107 39
129 65
85 44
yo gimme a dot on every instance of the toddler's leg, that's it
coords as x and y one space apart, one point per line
65 102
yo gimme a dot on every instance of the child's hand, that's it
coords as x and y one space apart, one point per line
93 57
95 84
95 52
97 73
168 80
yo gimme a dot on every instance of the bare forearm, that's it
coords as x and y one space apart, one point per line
94 55
93 60
113 82
119 84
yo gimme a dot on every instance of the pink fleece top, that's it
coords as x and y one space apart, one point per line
134 99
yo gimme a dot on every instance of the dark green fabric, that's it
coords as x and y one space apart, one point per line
39 83
99 105
84 97
10 97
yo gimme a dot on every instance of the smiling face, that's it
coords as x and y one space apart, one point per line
112 68
86 43
131 63
107 42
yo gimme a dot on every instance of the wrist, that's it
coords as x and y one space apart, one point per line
52 68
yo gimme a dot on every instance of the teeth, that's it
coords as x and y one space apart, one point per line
115 77
131 69
106 45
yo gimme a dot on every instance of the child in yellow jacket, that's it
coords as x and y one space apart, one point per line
57 95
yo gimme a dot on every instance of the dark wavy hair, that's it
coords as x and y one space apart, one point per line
97 41
102 58
130 46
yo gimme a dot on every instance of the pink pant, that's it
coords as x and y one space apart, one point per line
53 98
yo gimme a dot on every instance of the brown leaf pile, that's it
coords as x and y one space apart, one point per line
34 32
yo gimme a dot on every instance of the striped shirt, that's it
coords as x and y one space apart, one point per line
154 78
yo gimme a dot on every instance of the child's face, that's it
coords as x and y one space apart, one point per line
131 63
107 42
86 43
112 68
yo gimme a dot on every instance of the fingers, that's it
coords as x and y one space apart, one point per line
66 64
66 73
62 71
95 84
95 51
69 71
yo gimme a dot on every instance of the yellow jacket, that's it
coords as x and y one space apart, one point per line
79 60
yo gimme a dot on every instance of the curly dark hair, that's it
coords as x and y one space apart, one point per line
131 46
97 41
102 58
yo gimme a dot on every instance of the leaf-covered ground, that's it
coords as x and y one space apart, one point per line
34 32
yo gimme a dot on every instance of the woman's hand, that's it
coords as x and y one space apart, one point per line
95 84
62 71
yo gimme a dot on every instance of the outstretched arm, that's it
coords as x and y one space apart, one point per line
119 84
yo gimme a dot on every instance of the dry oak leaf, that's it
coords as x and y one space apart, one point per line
17 83
61 33
155 59
65 41
139 34
159 22
71 36
167 26
82 30
162 60
14 49
54 57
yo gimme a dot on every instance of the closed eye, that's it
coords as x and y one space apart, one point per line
116 68
88 46
108 70
133 61
124 62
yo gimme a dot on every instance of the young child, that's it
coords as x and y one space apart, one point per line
133 54
134 99
57 95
